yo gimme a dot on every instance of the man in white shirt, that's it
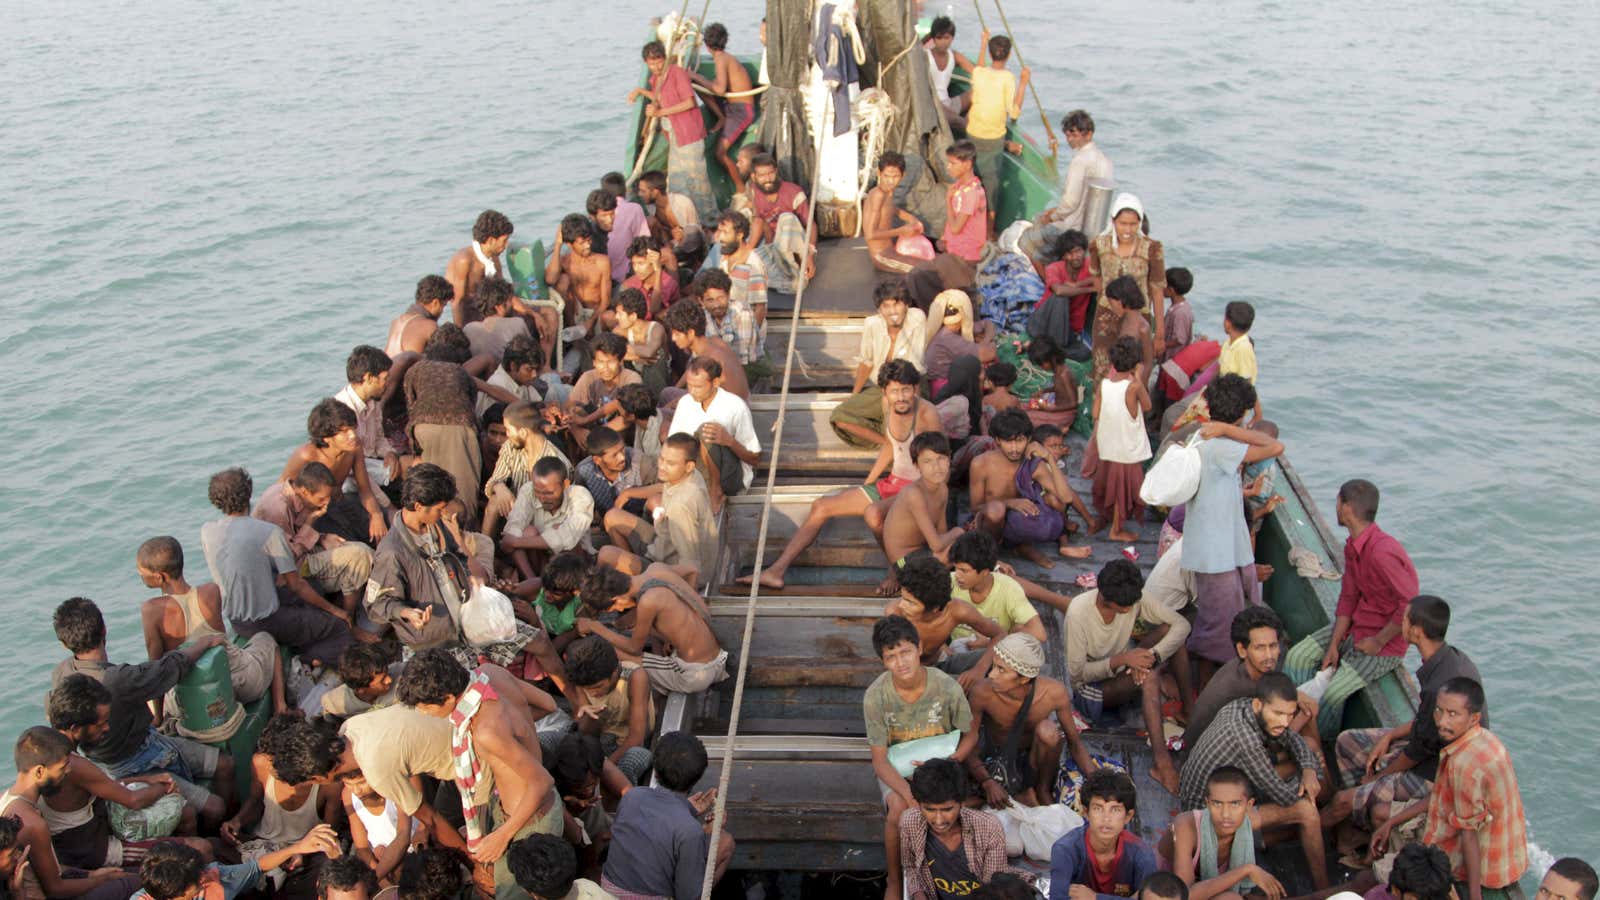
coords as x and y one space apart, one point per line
722 422
898 331
366 372
1087 164
551 515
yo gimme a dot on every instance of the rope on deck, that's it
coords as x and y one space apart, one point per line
719 812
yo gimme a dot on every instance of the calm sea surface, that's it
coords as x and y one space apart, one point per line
206 205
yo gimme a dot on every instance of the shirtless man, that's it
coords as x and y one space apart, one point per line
500 711
996 702
409 332
183 612
668 609
686 325
490 234
582 277
906 417
925 601
42 757
1123 299
335 443
882 221
916 519
998 507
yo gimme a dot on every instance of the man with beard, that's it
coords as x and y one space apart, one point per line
525 445
471 264
1253 735
493 736
42 756
896 332
732 321
1007 491
778 224
905 416
409 332
746 273
1257 635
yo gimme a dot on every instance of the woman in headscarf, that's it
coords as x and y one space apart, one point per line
957 349
1125 248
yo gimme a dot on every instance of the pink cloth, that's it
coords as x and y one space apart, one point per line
967 199
673 87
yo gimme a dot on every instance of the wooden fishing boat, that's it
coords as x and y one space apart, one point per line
802 794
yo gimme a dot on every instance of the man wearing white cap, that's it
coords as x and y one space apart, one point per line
1019 717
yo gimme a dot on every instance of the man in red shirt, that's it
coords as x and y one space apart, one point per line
1365 640
778 227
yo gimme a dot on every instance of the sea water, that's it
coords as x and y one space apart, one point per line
206 205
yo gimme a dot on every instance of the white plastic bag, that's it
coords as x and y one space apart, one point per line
486 617
1042 826
1011 823
1175 477
1010 240
1318 685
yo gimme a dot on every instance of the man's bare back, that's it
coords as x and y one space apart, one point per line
464 272
733 378
668 615
414 334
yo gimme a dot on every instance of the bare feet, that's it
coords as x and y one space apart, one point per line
1166 776
888 587
1031 553
769 579
1096 527
1123 537
1070 552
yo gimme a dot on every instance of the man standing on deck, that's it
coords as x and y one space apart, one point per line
471 264
1365 641
1475 808
1088 164
896 332
1391 767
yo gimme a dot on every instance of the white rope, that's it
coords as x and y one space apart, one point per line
719 812
874 110
732 95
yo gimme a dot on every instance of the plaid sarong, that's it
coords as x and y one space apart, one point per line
468 768
1351 751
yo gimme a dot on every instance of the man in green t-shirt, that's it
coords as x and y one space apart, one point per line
908 701
998 596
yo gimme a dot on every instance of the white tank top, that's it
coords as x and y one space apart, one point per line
941 77
1119 436
382 827
904 466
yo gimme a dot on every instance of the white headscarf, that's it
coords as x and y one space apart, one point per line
942 303
1123 201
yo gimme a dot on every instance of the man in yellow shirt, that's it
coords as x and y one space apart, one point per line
996 99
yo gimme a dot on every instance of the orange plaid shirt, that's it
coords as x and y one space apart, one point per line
1476 789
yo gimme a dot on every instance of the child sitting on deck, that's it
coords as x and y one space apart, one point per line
365 681
666 608
1122 442
1059 405
926 603
381 834
618 706
1101 854
998 377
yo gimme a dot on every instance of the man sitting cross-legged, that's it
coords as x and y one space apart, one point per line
1108 670
1213 849
682 530
905 416
895 332
925 601
329 562
668 609
1253 735
1007 491
907 702
492 715
1019 717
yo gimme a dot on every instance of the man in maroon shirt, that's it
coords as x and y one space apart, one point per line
1365 640
778 227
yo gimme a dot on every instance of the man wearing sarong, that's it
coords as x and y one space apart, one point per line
778 225
896 332
493 737
1007 490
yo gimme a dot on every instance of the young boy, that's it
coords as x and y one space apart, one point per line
996 595
926 603
586 780
737 111
1069 277
659 846
365 680
546 867
916 516
610 468
1101 854
1227 823
1163 886
593 399
882 222
555 605
175 871
1178 325
998 377
907 702
1239 350
580 275
682 530
380 832
966 208
668 609
650 276
644 421
618 706
996 99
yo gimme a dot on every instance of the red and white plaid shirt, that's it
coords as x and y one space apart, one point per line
1476 789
